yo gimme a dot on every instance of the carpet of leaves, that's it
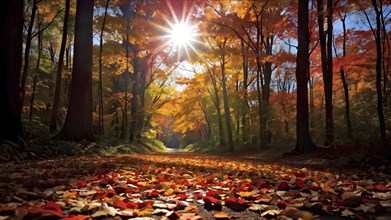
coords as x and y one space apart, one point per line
188 186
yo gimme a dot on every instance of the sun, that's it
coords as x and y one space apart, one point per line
181 34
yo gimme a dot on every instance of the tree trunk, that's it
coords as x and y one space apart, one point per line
380 113
11 44
244 93
124 125
36 75
344 83
27 52
135 100
100 86
57 92
78 122
225 99
329 79
303 139
218 109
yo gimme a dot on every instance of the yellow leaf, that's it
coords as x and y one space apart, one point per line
245 194
221 215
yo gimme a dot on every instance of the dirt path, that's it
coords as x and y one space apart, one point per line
189 186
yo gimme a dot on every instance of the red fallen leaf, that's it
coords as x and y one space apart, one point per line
199 196
162 180
300 183
81 184
281 204
203 184
211 193
211 200
120 204
49 209
235 204
381 187
173 215
76 217
153 194
182 196
120 189
144 204
301 175
132 205
283 186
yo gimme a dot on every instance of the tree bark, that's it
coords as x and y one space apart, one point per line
100 86
27 52
380 113
11 44
344 83
57 92
78 122
225 98
326 57
303 139
36 75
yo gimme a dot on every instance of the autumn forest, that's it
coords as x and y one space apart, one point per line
281 109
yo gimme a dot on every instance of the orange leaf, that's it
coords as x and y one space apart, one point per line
76 217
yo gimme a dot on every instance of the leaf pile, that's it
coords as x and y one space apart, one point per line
186 186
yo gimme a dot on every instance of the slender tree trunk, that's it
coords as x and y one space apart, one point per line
312 102
244 93
326 57
124 125
218 109
78 122
11 44
380 113
57 92
36 75
329 78
135 101
344 83
100 86
27 52
303 139
225 99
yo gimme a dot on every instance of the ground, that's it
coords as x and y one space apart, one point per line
177 185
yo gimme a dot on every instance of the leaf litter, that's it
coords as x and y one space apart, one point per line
187 186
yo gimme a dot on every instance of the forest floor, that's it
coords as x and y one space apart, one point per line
325 184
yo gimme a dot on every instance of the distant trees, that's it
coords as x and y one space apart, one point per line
78 122
248 80
11 42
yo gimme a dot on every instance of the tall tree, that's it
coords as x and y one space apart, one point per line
27 47
56 101
303 139
325 39
379 57
100 86
78 122
11 41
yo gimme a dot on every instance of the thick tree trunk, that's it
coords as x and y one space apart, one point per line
303 139
57 92
100 86
27 52
11 42
124 125
78 122
380 113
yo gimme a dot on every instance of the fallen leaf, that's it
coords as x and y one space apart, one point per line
221 215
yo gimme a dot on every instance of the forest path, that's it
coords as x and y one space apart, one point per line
189 186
